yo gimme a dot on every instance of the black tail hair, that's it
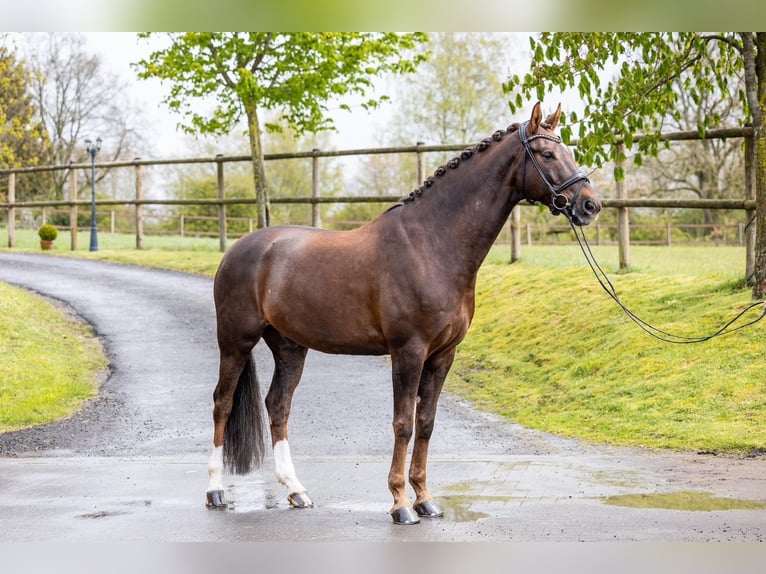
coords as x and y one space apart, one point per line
243 442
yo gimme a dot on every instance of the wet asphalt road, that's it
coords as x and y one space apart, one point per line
132 464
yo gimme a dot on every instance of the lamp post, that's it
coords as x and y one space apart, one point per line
92 149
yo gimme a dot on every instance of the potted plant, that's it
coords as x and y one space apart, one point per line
48 234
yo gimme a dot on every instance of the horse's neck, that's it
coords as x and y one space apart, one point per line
464 210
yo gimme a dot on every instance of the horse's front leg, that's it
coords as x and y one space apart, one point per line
431 382
407 367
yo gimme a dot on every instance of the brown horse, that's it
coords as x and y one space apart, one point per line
401 285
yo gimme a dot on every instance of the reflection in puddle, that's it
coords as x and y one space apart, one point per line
250 496
458 509
684 500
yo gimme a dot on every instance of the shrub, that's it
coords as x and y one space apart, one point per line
48 232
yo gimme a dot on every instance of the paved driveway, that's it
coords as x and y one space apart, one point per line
132 464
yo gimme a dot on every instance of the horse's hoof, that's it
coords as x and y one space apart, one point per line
404 515
215 499
300 500
428 509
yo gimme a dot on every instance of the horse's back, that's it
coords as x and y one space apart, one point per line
317 287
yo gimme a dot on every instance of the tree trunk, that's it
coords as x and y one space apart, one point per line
754 55
759 286
259 172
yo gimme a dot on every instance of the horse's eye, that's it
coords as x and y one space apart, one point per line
548 155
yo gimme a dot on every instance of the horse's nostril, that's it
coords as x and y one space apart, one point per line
590 207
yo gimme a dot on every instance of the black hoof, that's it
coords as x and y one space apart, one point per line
300 500
429 509
215 499
404 515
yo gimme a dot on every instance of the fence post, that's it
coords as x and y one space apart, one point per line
181 221
669 231
73 209
316 217
623 221
421 160
139 207
516 233
750 187
11 210
221 206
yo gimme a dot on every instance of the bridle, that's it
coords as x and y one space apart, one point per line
559 202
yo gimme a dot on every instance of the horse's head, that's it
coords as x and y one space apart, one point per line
552 178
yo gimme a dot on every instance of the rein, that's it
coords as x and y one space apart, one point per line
559 202
659 334
558 206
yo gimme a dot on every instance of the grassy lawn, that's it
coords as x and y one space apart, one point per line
50 364
190 254
550 350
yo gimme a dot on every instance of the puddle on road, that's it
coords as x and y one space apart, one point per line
684 500
458 508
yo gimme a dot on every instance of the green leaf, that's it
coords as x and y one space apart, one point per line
566 134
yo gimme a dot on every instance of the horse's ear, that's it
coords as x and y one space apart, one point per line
534 121
553 120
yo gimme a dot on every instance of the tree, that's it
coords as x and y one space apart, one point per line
293 177
456 96
704 169
77 98
196 184
22 136
379 174
646 66
294 73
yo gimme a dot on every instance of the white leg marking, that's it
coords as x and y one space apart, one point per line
215 469
285 471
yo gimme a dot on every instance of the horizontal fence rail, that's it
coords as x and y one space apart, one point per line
621 203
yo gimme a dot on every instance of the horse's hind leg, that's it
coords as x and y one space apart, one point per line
238 429
231 370
289 358
431 382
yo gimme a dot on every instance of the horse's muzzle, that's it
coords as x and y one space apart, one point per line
585 211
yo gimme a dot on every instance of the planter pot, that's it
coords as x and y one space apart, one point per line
46 244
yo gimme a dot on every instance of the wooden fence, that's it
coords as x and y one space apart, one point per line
622 203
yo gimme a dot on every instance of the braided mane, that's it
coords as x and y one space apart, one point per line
454 163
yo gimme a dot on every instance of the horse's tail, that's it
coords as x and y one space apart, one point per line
243 441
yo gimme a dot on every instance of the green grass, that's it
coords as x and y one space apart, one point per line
550 350
188 254
50 363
